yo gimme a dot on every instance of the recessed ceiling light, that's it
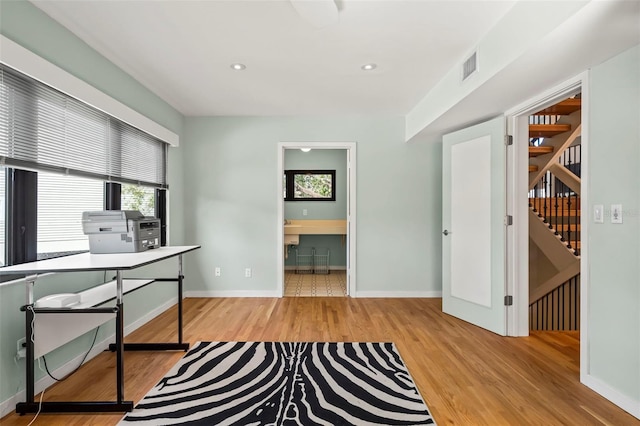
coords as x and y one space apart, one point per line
238 66
369 67
305 149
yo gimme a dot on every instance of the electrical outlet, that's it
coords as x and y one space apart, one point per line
304 212
247 272
218 271
21 348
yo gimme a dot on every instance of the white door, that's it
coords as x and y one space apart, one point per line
473 217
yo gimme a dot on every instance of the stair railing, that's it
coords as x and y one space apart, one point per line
558 309
557 204
571 158
541 119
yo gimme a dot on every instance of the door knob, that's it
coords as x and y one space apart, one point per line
445 232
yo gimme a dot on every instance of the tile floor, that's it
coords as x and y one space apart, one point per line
305 285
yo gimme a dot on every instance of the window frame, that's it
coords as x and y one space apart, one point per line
289 176
21 239
21 216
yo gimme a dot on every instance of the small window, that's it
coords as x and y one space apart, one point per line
310 185
141 198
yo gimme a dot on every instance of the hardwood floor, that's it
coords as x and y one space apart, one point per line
466 375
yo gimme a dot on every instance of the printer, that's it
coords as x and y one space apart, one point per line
120 231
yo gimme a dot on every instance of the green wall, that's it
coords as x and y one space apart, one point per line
319 159
234 188
26 25
614 250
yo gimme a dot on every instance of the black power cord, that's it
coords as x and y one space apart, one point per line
81 362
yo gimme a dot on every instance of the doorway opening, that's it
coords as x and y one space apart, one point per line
555 163
547 241
316 218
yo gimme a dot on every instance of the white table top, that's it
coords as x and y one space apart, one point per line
97 262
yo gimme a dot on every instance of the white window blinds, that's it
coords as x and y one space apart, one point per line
61 201
44 129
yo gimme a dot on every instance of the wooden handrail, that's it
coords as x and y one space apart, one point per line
542 168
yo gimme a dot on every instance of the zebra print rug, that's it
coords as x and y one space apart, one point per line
278 383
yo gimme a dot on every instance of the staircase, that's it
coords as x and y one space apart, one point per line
554 218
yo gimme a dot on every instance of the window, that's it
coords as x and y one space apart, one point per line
61 201
56 154
310 185
139 198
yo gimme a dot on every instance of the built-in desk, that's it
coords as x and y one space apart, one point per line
315 227
294 228
91 312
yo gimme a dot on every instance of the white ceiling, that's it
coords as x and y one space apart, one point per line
182 50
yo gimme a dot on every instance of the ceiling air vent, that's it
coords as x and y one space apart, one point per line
469 66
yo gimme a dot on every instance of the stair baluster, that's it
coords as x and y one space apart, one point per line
568 152
532 198
573 160
556 220
560 195
554 304
551 191
576 304
545 186
552 312
570 220
572 301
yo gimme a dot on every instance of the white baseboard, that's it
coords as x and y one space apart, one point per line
399 294
331 268
362 294
232 293
9 405
627 404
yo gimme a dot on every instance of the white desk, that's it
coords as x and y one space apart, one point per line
94 262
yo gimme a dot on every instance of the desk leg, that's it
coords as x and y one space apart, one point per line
30 352
30 406
30 317
180 278
119 340
180 346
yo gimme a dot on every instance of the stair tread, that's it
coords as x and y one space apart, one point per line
534 151
547 130
533 168
565 107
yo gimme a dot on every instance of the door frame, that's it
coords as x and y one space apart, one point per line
517 205
350 147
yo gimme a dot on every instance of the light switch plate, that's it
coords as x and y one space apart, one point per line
598 213
616 213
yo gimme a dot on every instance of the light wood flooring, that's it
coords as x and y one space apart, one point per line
467 376
333 284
